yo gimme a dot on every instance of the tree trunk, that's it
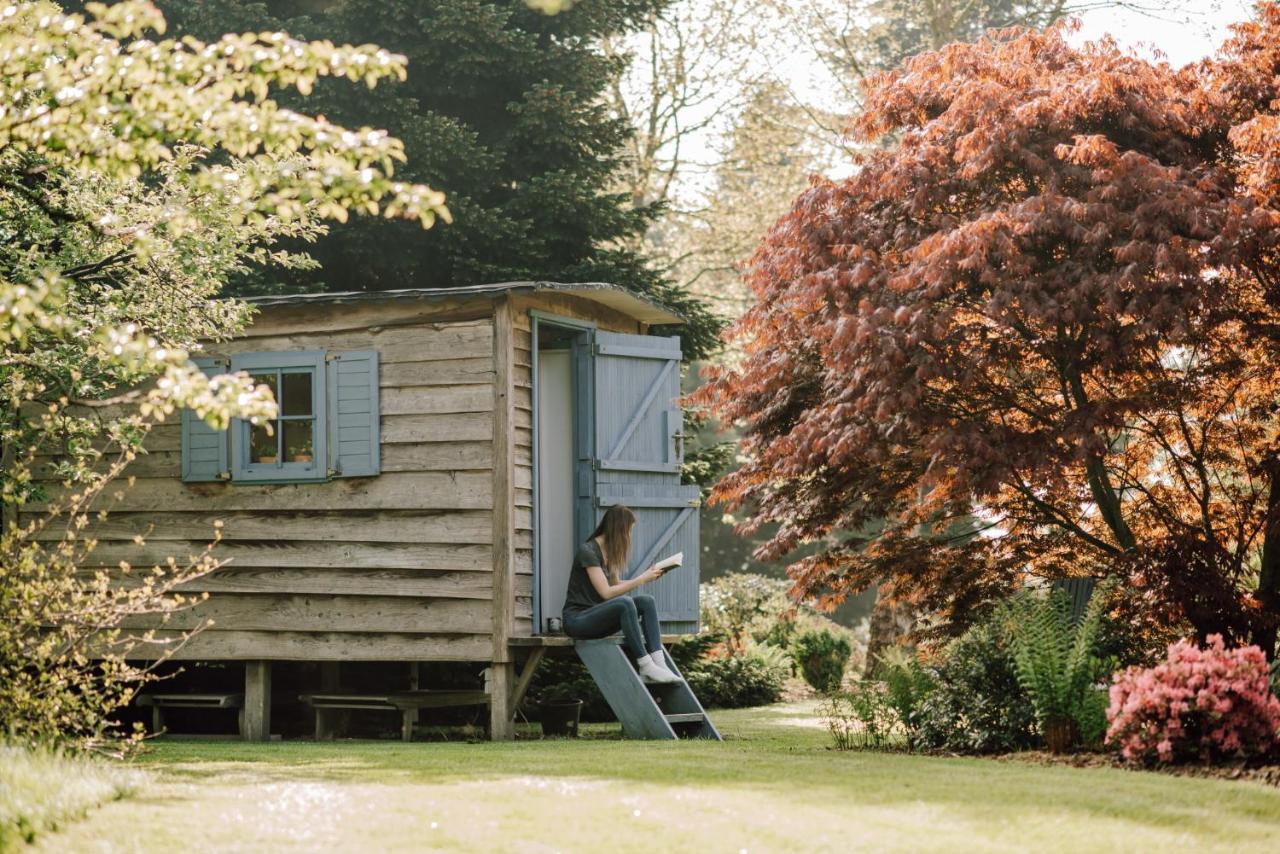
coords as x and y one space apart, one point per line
890 620
1268 591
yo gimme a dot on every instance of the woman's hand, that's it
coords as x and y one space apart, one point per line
650 575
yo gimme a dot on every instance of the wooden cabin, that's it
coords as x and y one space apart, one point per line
438 456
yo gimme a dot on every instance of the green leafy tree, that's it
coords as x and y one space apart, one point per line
504 106
136 175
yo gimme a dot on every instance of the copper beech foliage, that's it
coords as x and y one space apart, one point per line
1047 308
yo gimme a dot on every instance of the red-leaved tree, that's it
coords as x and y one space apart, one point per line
1047 304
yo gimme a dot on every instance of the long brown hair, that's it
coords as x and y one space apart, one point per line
615 530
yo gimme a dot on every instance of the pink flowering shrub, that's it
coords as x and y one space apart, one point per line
1204 703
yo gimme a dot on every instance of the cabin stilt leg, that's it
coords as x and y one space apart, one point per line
329 721
257 700
410 717
498 683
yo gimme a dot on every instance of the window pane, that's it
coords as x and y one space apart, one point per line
296 398
297 441
268 380
262 447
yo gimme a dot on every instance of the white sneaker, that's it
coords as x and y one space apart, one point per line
654 673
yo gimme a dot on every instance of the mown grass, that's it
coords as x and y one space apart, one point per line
772 785
41 791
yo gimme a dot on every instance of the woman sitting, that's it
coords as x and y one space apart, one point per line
595 605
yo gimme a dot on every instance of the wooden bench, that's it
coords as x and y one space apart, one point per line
160 702
407 703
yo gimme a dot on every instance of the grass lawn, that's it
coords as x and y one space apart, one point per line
771 786
42 791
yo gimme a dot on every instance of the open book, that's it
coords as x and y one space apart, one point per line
671 562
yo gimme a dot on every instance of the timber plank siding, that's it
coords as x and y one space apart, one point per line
395 566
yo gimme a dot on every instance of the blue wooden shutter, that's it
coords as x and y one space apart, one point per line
204 449
353 414
638 447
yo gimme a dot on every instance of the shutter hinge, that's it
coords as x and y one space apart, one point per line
224 475
333 473
332 357
695 502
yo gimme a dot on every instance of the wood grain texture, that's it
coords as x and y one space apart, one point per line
369 526
257 700
567 305
326 613
503 505
447 427
409 583
394 343
281 554
320 646
276 320
437 399
388 491
437 372
396 456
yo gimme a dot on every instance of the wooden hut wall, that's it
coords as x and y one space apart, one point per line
396 566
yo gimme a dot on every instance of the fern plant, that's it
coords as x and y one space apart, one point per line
1056 660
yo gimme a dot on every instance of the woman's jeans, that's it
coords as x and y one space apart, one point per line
629 613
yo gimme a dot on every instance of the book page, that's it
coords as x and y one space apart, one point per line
675 560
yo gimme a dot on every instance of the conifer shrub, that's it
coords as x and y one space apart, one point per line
822 658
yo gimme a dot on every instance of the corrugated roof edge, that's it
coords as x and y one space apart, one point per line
642 308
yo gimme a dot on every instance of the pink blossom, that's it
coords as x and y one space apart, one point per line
1211 702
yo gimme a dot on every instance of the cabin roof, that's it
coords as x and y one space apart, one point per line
641 308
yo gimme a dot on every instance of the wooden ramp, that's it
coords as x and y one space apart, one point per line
647 711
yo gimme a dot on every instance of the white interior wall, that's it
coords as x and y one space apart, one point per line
556 545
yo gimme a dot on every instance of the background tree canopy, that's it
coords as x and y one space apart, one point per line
502 110
1052 300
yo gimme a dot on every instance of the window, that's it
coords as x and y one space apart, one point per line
292 447
326 425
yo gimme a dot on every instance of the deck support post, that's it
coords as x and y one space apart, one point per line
257 700
498 680
327 720
409 718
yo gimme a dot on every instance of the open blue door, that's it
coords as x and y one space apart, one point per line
638 452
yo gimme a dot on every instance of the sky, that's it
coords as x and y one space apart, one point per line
1192 32
1183 31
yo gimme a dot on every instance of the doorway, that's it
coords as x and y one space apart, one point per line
562 448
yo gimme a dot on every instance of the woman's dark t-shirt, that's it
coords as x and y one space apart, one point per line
581 594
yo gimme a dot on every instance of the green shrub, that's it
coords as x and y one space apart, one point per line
861 717
1093 717
1056 661
908 685
752 677
744 606
967 699
822 658
690 649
